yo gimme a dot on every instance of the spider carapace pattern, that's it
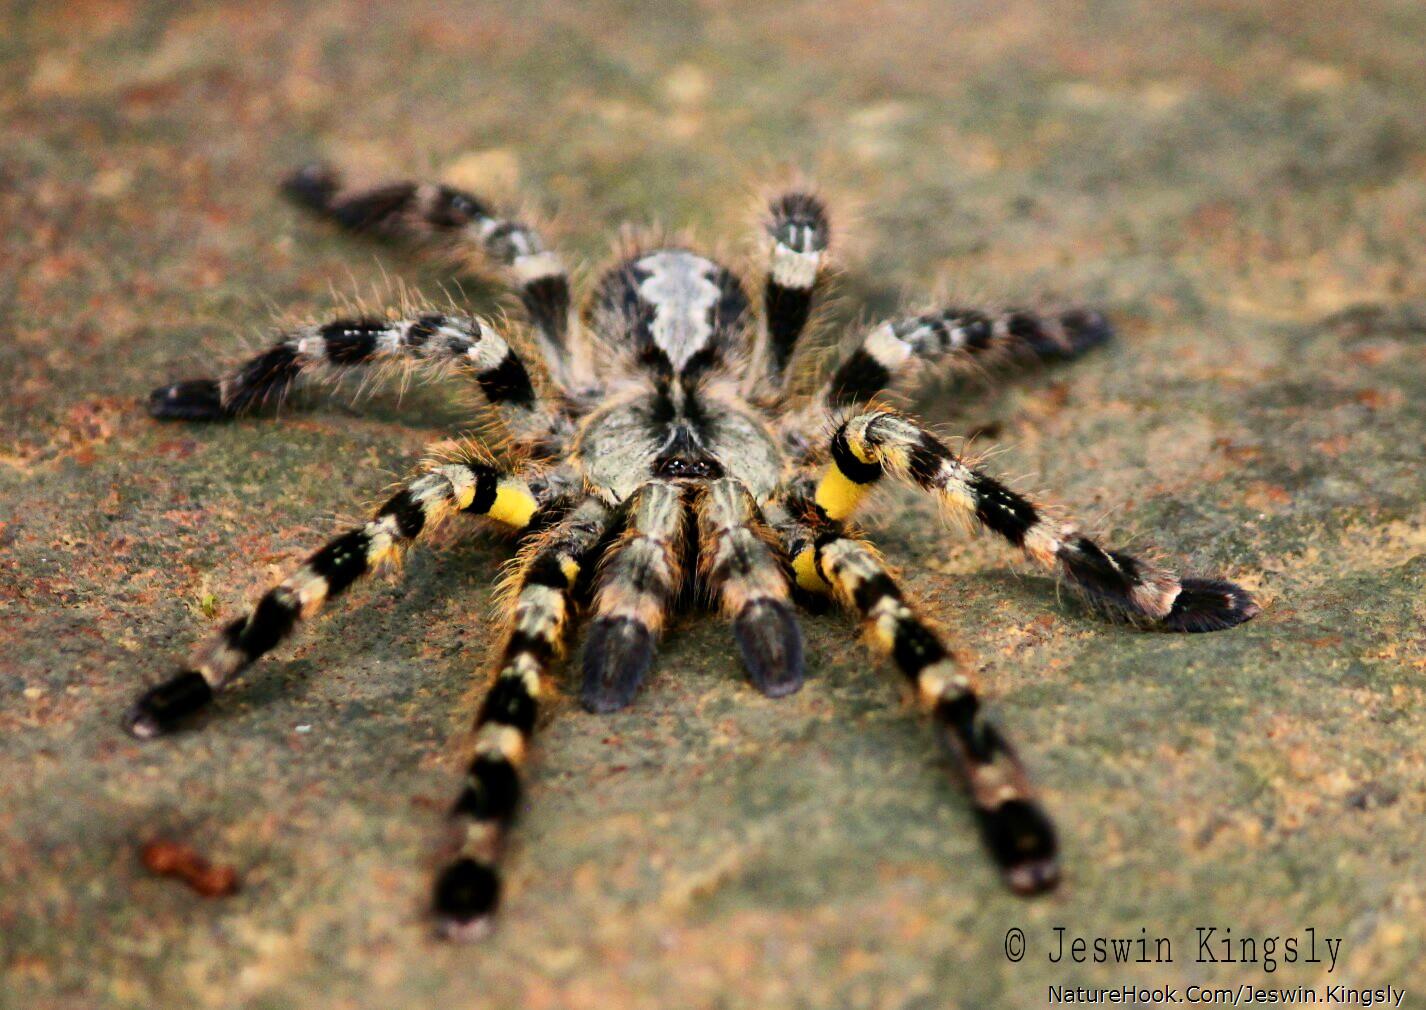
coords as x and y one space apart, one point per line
663 456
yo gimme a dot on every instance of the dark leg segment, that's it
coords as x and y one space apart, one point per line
467 891
642 575
419 507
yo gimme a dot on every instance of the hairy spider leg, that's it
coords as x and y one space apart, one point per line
641 577
878 442
466 344
956 341
467 890
421 505
741 565
1018 833
432 213
797 233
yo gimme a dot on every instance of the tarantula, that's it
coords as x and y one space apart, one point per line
665 451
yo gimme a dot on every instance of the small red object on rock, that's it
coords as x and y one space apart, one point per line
172 859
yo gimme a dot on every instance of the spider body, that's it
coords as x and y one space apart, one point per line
678 430
671 462
682 320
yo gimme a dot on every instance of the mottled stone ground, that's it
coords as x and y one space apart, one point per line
1242 184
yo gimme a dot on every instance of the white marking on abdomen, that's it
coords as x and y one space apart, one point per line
683 296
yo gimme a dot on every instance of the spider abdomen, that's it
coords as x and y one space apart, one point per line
681 313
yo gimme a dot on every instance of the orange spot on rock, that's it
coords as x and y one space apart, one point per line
173 859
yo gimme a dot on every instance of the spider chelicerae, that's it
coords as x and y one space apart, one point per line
656 450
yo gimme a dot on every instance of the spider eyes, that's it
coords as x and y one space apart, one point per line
671 469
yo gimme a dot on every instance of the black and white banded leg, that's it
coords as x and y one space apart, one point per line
641 577
869 445
465 224
463 343
467 890
746 572
797 236
1015 827
957 340
440 492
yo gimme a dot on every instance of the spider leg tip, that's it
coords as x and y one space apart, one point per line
782 688
1210 605
1035 877
1022 840
1087 329
313 185
466 895
618 654
464 930
195 400
771 646
163 707
140 723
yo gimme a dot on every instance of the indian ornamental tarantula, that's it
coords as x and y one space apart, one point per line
667 452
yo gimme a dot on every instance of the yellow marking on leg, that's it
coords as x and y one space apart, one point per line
498 740
957 499
893 456
462 483
884 632
482 841
570 567
838 495
514 505
941 681
526 669
856 437
380 543
311 589
1042 542
804 566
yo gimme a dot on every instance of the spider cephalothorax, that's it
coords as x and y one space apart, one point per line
671 456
